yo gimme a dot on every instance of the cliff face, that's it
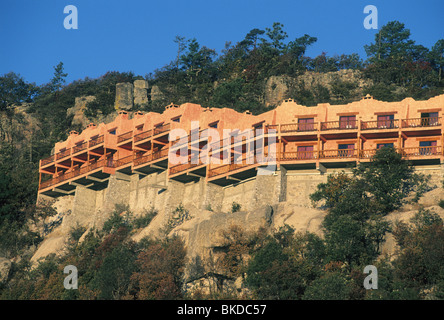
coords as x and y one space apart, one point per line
266 201
340 86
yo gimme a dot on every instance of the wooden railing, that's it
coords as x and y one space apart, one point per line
125 136
143 135
231 167
125 160
421 122
80 147
339 125
299 127
353 124
367 154
298 155
380 124
48 160
138 160
162 129
96 141
338 154
93 165
421 151
184 166
63 154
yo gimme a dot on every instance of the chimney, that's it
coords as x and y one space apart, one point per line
138 114
123 114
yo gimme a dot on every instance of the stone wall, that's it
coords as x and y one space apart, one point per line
273 200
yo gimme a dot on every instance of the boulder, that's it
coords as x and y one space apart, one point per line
124 96
140 92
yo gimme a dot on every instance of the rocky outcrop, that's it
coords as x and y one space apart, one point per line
140 92
78 111
278 88
124 96
156 93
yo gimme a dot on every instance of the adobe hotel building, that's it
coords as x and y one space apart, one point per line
306 138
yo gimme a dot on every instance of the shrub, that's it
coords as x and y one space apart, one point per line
76 232
235 207
145 219
179 216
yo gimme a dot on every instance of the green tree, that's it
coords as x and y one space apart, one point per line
14 90
393 41
436 57
354 225
331 286
59 78
419 264
284 265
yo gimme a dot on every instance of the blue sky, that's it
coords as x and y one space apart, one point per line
138 36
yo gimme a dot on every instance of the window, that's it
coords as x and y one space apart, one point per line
384 145
306 124
427 147
305 152
347 122
176 119
213 124
346 150
112 131
386 121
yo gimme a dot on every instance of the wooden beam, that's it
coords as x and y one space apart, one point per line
81 185
140 172
157 167
63 191
95 179
194 175
122 176
62 166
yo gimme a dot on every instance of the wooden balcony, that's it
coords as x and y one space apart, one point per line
338 154
228 174
339 125
77 172
422 152
123 161
125 137
47 161
161 129
186 172
143 135
380 124
80 147
63 154
298 127
299 155
96 141
421 122
158 155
